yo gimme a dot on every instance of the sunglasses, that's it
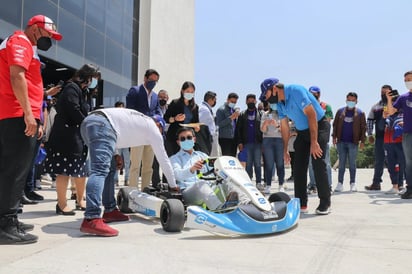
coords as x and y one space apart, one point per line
183 138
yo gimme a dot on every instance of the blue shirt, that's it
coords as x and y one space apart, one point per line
347 130
296 99
181 164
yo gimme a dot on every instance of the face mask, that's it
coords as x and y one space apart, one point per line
251 105
44 43
350 104
188 96
93 83
408 85
274 106
273 99
162 102
150 85
231 105
187 144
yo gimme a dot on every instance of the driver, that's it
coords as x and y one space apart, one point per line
186 162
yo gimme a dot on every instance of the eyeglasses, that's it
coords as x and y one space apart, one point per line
183 138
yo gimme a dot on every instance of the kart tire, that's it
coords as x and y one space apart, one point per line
172 215
279 196
123 199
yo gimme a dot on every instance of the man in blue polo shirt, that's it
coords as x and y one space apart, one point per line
296 103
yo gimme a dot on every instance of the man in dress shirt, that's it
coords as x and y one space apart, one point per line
206 117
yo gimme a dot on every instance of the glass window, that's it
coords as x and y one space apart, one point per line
11 12
95 10
44 7
72 30
75 7
127 63
114 21
113 56
94 46
128 32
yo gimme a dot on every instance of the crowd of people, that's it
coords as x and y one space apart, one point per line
89 146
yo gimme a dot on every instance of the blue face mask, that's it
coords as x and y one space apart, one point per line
231 105
188 96
187 144
150 85
274 106
93 83
350 104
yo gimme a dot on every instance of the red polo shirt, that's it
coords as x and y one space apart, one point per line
18 50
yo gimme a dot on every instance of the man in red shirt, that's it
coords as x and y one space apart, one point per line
21 93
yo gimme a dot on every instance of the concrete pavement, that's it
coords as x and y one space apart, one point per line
367 232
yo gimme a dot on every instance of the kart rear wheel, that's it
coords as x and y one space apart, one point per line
279 196
123 199
172 215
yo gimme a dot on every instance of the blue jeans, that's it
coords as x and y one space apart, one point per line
379 161
273 154
394 155
100 137
125 153
254 157
407 151
312 181
348 151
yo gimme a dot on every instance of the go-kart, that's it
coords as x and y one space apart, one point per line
261 215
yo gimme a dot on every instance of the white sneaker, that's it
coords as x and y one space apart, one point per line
392 191
339 187
402 191
53 184
353 187
281 189
46 177
267 190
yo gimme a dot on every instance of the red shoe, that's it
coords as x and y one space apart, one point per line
304 209
114 216
97 227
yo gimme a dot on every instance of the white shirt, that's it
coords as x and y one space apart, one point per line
206 117
136 129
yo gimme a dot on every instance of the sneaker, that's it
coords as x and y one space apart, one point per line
339 187
267 190
402 191
312 190
373 187
392 191
281 188
260 187
53 184
46 177
353 187
12 233
304 209
323 210
114 216
97 227
407 195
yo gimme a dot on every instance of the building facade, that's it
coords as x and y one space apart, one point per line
122 37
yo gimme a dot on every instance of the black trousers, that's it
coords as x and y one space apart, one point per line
17 152
228 146
302 147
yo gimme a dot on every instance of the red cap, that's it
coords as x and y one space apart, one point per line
47 24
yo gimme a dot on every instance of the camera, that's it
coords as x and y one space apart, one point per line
394 93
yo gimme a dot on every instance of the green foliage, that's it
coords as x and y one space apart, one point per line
365 159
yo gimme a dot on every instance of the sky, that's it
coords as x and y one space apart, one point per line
340 46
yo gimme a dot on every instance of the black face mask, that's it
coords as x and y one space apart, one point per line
44 43
162 102
273 99
251 105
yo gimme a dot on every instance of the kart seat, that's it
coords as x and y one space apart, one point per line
263 216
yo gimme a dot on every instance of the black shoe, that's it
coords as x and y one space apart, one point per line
290 179
65 213
373 187
26 227
26 201
79 207
34 196
73 196
407 195
12 233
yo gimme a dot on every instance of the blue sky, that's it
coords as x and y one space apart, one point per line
340 46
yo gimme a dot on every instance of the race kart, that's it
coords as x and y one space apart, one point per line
260 216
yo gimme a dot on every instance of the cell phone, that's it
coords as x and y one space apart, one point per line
60 83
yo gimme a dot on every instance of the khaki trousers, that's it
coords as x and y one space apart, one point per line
141 156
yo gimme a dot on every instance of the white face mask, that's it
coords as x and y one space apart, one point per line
408 85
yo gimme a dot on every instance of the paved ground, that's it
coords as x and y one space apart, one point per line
368 232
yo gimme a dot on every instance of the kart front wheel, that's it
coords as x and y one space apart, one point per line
172 215
123 199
